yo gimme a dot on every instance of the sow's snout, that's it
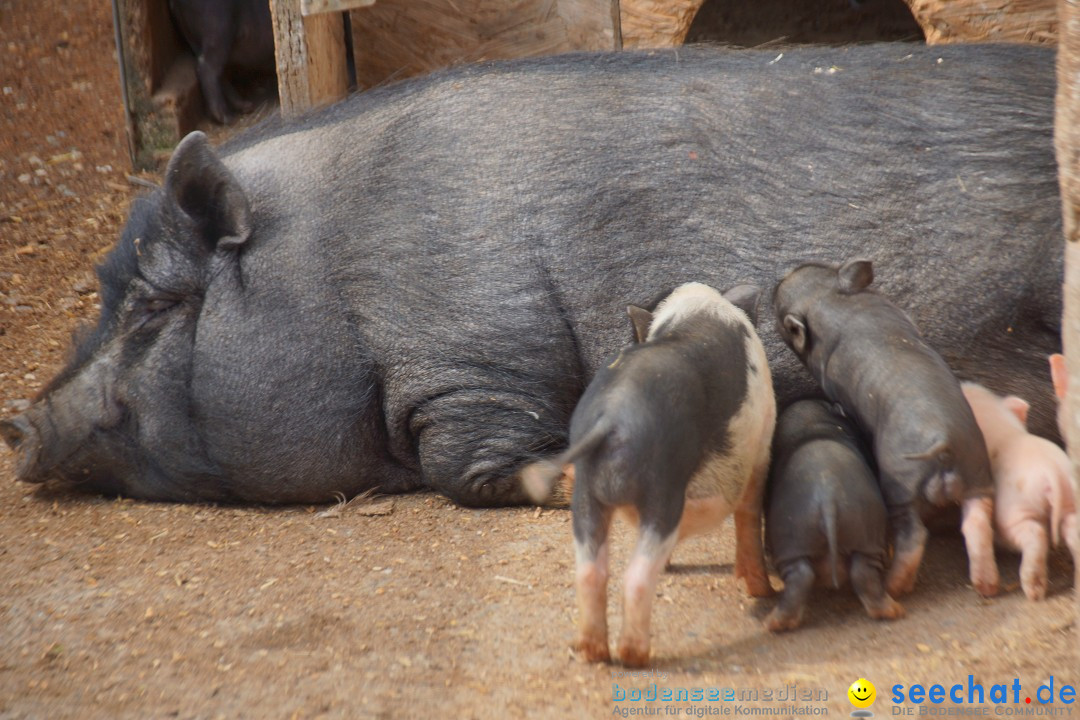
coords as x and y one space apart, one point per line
21 436
63 434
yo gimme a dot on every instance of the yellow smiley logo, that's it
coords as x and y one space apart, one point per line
862 693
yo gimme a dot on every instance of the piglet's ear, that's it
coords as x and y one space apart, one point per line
1059 375
1018 407
745 297
796 331
641 319
855 275
199 184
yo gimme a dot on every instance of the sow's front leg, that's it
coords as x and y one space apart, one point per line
472 444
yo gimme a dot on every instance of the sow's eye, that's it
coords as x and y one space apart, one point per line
152 310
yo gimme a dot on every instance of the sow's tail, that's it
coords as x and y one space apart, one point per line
538 479
944 485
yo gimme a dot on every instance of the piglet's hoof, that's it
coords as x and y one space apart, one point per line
901 579
592 650
1035 593
988 584
753 572
889 610
778 622
1034 585
759 586
634 656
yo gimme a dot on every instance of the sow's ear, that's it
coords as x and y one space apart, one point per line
641 319
1018 407
795 330
745 297
855 275
199 184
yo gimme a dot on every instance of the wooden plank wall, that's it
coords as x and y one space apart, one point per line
1012 21
400 38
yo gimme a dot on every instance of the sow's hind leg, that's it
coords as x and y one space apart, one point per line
472 445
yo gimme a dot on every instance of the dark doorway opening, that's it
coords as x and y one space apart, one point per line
786 22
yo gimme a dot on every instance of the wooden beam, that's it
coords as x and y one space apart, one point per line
314 7
311 61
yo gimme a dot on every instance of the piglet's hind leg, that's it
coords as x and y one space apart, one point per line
798 577
749 551
978 530
592 522
1030 537
909 542
649 558
866 579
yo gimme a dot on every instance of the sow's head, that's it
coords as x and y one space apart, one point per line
118 418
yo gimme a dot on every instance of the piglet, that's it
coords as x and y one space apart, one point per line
1034 496
825 517
676 431
868 356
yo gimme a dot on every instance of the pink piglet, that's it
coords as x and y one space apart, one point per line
1034 503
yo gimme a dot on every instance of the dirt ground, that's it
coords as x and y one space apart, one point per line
405 607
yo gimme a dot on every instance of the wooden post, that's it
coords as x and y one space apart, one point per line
1067 145
161 94
311 62
657 23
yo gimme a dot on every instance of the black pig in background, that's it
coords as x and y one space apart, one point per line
228 37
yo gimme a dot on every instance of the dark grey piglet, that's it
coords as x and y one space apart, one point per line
675 431
868 356
825 517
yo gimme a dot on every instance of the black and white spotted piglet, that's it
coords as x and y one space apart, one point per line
676 432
